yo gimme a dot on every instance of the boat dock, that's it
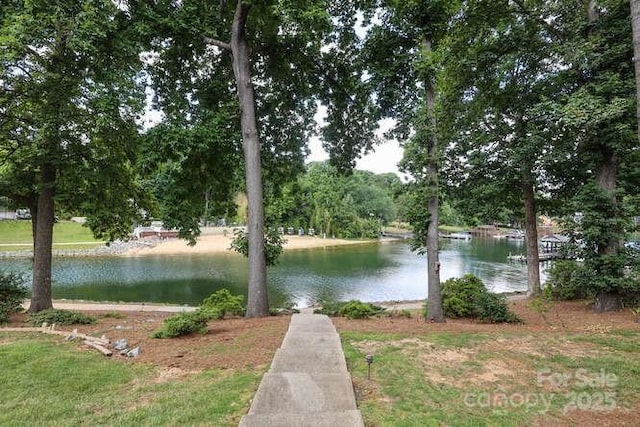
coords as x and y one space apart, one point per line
542 257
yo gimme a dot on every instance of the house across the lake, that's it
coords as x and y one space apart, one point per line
553 242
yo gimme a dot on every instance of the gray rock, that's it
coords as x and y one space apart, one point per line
121 344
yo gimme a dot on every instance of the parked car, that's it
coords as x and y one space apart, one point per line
23 214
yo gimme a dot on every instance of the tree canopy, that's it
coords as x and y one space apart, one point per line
69 99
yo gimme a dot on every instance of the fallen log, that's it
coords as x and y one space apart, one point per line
98 347
50 330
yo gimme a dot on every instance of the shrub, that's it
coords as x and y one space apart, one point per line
493 308
12 293
330 308
459 296
563 281
350 309
221 303
359 310
60 317
182 324
468 297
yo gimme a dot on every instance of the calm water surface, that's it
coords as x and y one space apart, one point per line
369 272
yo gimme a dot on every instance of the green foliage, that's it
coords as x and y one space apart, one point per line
12 293
273 243
353 309
425 310
186 182
330 308
221 303
460 296
215 306
60 317
597 236
353 206
563 281
359 310
493 308
468 297
182 324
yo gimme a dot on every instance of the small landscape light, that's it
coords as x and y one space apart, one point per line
369 359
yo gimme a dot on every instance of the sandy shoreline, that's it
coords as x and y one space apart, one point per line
218 243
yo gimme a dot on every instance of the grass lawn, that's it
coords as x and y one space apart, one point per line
496 379
573 368
17 235
49 382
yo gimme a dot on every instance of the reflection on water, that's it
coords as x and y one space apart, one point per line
370 272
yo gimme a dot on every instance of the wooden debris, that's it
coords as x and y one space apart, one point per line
94 342
98 347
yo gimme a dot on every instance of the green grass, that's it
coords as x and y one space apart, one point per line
49 382
17 235
475 379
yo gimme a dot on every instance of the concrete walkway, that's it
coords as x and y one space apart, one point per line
308 383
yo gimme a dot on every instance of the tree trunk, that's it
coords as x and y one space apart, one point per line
531 232
635 28
435 312
257 299
43 240
606 181
607 301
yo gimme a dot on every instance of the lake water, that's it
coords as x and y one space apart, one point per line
369 272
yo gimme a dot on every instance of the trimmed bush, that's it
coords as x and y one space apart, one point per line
12 293
182 324
60 317
359 310
459 296
493 308
221 303
468 297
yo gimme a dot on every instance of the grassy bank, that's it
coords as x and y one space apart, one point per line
17 235
46 381
496 378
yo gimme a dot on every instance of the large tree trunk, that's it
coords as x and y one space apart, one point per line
257 299
531 232
635 28
434 304
43 240
606 181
